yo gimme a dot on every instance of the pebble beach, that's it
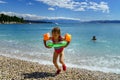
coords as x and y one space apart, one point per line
14 69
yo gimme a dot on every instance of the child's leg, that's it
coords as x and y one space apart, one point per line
55 56
62 61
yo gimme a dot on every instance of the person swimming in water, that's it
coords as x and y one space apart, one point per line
94 38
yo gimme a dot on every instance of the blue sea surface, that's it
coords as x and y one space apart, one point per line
25 41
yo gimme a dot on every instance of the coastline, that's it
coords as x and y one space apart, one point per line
15 69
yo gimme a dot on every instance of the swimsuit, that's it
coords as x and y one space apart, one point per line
58 49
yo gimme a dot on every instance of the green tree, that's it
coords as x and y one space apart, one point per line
5 18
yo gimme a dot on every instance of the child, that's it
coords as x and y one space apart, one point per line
58 52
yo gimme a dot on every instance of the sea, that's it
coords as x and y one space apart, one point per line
25 42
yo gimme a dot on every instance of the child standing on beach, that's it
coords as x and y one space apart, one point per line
58 52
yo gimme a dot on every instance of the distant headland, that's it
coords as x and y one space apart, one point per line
6 19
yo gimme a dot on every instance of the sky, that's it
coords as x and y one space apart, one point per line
83 10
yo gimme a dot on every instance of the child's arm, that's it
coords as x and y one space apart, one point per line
68 42
67 38
46 44
46 37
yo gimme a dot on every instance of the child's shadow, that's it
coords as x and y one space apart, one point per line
37 75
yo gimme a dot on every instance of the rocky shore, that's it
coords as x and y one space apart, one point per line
14 69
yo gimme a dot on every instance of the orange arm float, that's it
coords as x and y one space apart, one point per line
46 36
67 37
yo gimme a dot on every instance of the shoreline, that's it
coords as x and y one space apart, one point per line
15 69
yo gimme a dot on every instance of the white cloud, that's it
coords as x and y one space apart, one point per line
1 2
29 3
77 6
104 7
59 3
35 17
52 9
65 18
99 7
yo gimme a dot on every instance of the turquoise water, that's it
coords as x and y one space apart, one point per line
25 41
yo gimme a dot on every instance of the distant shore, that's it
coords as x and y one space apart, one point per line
14 69
11 23
27 22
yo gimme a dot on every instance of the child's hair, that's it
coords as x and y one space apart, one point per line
56 29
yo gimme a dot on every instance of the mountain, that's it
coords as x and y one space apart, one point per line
52 21
104 21
71 21
63 21
36 21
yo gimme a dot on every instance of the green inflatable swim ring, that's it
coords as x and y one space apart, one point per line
60 44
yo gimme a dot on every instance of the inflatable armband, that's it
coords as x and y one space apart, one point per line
46 36
67 37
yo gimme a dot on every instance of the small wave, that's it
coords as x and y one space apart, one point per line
26 58
113 56
96 68
9 41
70 50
